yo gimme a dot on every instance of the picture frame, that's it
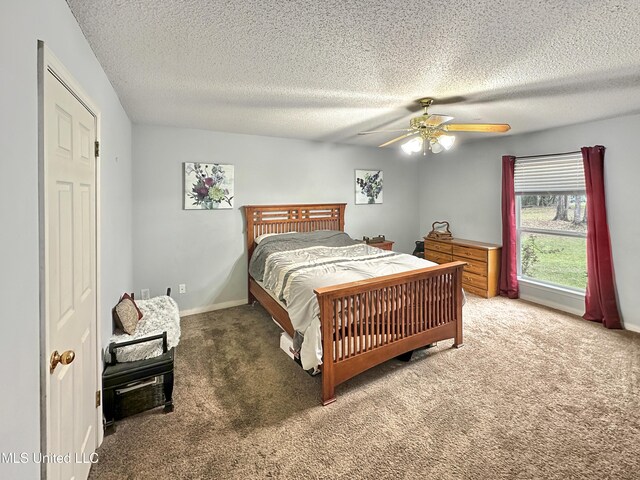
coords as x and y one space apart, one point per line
208 186
369 187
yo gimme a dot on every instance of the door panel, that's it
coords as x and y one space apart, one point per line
70 262
63 125
85 144
63 230
85 231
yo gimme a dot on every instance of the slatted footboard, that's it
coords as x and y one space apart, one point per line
368 322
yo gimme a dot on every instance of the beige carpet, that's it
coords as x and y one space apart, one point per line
533 394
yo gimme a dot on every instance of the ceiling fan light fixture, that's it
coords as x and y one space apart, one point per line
436 147
446 141
412 146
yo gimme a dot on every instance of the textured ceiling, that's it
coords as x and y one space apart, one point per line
324 70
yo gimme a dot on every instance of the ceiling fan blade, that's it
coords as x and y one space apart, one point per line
449 100
385 131
435 120
398 138
476 127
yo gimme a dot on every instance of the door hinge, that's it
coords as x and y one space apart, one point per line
97 398
97 148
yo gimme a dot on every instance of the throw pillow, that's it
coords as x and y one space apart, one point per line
127 315
126 295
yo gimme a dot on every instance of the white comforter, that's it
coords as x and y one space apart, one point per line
293 275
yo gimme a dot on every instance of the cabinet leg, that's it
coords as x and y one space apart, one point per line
109 410
168 392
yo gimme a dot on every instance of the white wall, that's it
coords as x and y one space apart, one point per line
464 187
206 250
22 23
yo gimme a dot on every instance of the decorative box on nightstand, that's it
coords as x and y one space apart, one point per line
386 245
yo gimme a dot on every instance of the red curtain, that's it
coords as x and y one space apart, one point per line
600 299
508 266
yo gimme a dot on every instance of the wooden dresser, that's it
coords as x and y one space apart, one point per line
483 262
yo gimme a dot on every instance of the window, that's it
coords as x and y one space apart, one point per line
551 221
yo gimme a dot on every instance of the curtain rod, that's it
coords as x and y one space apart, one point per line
551 154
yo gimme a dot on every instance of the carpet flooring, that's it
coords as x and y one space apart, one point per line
534 393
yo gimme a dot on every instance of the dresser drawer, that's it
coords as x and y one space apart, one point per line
437 246
473 266
470 252
474 280
475 290
437 257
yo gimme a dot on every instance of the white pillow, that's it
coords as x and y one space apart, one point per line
265 235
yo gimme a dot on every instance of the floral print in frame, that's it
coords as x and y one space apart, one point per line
368 186
208 186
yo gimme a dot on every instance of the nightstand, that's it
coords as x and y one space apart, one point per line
386 245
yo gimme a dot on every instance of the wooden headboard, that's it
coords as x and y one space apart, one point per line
291 218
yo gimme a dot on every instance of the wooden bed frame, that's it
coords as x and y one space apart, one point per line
370 321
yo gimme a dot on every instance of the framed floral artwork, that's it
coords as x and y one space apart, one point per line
208 186
368 186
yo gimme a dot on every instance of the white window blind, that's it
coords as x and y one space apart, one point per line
555 173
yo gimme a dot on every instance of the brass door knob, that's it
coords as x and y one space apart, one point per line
65 359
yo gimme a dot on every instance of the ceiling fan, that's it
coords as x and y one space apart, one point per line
431 131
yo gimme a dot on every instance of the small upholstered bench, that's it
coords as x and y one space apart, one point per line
140 359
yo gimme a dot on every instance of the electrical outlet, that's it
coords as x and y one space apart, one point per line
182 288
144 294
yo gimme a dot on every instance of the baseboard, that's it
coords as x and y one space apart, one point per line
560 299
631 327
535 299
211 308
565 301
